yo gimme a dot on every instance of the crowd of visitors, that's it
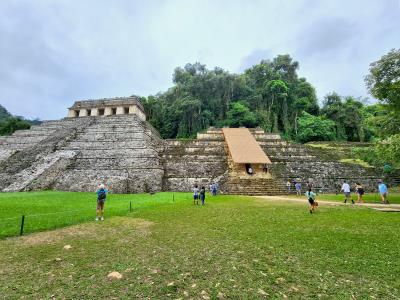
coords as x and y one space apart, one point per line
200 194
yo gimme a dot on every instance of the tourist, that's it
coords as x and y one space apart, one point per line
288 185
360 193
101 198
265 168
250 171
311 200
346 190
214 189
202 195
196 195
383 190
298 188
310 185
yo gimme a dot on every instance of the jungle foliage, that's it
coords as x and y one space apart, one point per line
270 95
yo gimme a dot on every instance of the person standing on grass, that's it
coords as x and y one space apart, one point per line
288 184
214 189
202 194
298 188
383 190
360 193
346 190
101 199
311 200
195 195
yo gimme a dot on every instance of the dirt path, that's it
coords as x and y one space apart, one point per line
386 207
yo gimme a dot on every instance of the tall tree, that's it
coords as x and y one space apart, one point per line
383 82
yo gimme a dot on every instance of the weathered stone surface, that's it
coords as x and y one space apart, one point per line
127 154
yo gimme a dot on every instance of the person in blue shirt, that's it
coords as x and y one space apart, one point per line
383 190
311 200
101 199
297 185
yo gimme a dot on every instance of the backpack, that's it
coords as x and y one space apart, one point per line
102 194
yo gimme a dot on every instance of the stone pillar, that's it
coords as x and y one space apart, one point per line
120 110
107 111
71 113
136 111
132 109
94 112
83 112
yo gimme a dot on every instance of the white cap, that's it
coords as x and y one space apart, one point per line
101 186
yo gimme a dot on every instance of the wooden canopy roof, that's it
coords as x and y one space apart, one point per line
243 147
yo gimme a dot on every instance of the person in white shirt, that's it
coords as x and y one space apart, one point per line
196 195
347 193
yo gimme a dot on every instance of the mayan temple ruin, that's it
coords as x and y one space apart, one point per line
110 141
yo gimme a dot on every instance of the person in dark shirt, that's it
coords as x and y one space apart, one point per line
202 195
360 193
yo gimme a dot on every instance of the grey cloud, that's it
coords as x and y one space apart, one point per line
54 52
254 58
326 36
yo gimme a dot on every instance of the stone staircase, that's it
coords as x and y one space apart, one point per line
76 154
190 162
31 154
254 186
296 162
121 151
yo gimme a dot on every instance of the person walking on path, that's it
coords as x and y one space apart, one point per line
196 195
346 190
101 199
202 195
360 193
383 191
298 188
311 200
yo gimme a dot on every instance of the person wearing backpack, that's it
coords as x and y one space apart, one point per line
101 198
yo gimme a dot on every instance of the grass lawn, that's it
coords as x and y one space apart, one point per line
50 209
235 248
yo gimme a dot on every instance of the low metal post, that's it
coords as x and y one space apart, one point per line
22 225
130 206
173 197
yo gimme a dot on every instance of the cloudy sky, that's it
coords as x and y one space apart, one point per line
53 52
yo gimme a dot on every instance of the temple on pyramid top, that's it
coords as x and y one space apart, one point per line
107 107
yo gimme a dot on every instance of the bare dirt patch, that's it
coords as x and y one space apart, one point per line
93 231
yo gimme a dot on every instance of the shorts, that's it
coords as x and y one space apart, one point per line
311 201
383 194
195 197
347 194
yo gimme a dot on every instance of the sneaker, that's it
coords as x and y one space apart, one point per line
102 218
310 211
97 219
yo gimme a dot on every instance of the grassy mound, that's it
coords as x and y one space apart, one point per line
234 247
